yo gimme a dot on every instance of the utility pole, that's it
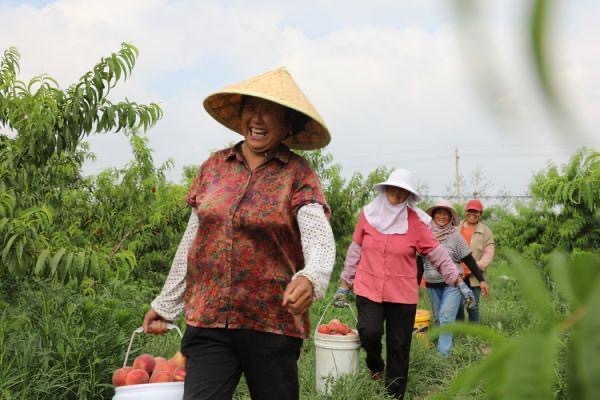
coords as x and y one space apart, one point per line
456 158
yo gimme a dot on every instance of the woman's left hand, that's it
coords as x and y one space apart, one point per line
485 289
298 295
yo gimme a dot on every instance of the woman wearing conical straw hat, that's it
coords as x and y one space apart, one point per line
258 248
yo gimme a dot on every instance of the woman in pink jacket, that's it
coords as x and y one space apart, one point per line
381 270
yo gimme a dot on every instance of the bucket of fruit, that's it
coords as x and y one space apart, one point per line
337 348
149 377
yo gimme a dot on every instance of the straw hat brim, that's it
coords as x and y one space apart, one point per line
276 86
452 211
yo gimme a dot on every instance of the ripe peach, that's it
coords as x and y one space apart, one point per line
343 329
161 376
136 377
333 327
118 378
145 362
178 359
165 366
179 374
323 329
159 360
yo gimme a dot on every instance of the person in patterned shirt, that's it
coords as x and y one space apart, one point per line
258 248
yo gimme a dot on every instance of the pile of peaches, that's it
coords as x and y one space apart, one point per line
149 369
335 327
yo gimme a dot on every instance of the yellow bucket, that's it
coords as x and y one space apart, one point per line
422 319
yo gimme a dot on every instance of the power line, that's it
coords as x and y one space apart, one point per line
524 146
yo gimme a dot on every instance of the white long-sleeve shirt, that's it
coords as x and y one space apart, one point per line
318 247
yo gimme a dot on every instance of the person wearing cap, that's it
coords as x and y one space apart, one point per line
481 242
258 248
380 268
445 299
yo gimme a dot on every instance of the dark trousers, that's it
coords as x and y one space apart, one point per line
399 321
216 359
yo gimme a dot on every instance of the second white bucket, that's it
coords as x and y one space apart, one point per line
335 355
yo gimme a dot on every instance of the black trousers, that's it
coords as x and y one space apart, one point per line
399 321
216 359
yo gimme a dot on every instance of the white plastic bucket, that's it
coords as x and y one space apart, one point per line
335 355
150 391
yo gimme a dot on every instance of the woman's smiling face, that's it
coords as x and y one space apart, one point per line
473 216
264 124
441 217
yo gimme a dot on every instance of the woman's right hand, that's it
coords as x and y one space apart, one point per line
340 298
154 323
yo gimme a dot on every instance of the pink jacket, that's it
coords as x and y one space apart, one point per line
383 267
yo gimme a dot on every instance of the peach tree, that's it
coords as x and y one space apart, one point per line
54 222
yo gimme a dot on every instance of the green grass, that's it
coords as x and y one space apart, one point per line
429 372
64 342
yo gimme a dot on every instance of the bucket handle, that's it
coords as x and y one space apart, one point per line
140 330
326 308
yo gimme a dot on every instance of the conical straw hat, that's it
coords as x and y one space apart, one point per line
276 86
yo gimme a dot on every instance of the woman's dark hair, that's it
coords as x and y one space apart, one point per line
296 119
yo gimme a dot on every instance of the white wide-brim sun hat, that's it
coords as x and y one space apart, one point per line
401 178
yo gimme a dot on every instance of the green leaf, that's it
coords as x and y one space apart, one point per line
559 269
113 62
20 246
68 260
55 260
470 377
41 261
131 117
584 272
530 367
8 246
94 269
532 287
584 364
79 265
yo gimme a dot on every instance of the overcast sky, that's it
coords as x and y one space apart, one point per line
391 78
